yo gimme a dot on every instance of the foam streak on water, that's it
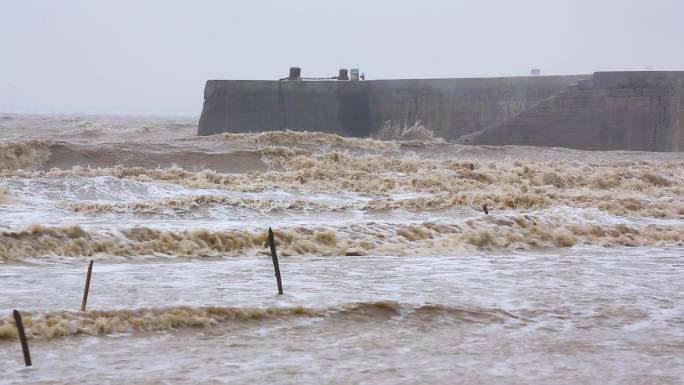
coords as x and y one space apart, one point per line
392 272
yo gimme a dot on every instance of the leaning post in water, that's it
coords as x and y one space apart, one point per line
87 286
22 337
271 242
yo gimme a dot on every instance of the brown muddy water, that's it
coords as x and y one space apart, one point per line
392 272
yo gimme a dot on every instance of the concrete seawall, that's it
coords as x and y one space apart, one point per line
256 105
604 111
641 111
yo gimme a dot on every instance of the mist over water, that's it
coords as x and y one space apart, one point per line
392 272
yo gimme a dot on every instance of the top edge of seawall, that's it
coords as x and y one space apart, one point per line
671 72
401 79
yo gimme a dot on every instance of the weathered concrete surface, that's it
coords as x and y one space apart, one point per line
613 111
455 107
606 111
255 106
449 107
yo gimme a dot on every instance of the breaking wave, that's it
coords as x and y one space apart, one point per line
191 202
427 238
27 155
42 155
316 139
49 325
639 188
378 174
663 208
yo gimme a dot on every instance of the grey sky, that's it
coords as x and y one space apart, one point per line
153 57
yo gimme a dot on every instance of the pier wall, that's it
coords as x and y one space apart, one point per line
603 111
640 111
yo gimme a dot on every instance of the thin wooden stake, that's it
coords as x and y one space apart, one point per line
271 242
22 338
87 286
484 208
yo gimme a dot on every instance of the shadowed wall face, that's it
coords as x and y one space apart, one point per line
612 111
257 106
455 107
606 111
449 107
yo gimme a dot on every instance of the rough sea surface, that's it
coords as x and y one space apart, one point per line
392 272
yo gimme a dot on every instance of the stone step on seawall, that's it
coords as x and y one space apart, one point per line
638 112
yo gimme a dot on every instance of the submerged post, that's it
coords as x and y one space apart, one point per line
22 337
87 286
271 242
484 208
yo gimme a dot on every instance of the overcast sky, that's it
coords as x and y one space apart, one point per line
153 56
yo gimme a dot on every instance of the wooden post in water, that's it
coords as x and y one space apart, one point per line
271 242
87 286
484 208
22 337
